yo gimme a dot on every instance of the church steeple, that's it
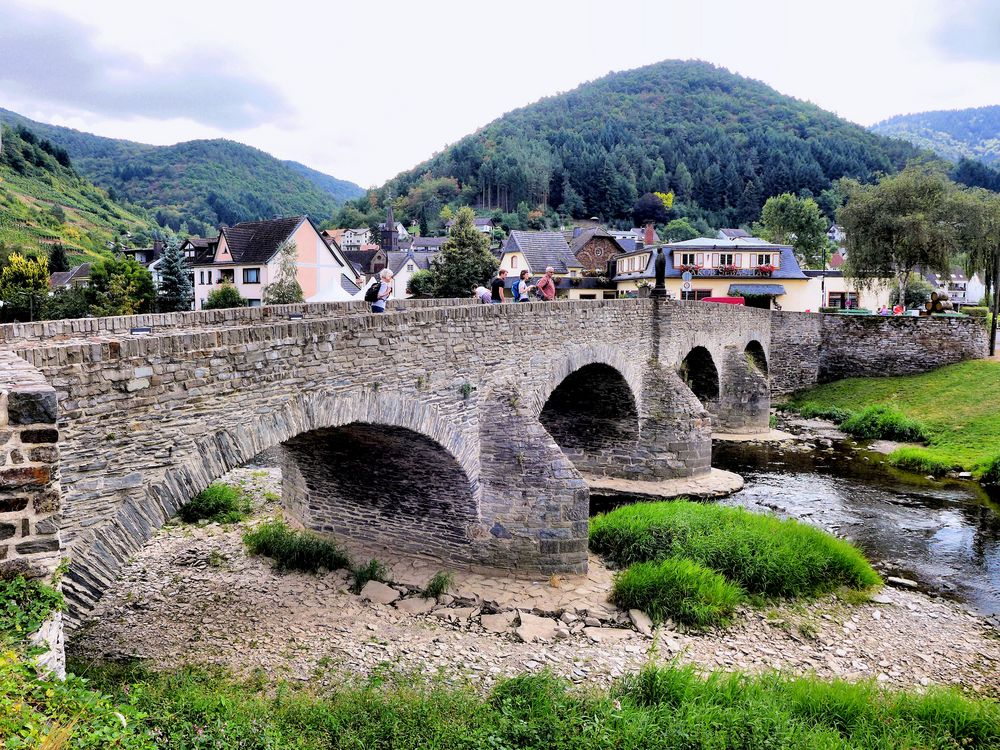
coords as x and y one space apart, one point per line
390 237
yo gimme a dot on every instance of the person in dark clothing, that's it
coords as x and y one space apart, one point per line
497 287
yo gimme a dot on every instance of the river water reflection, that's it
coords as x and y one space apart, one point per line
945 534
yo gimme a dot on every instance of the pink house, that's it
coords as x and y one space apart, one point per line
246 255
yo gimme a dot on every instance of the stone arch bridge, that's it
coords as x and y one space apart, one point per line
459 431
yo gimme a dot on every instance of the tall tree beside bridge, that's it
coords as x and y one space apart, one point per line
285 289
983 243
465 258
904 222
175 284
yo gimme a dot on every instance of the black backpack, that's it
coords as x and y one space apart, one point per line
371 293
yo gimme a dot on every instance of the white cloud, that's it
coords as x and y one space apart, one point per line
369 89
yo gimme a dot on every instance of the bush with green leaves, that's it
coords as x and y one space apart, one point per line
219 502
295 550
761 553
24 605
882 422
224 297
682 590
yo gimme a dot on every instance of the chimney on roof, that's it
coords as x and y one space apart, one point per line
649 237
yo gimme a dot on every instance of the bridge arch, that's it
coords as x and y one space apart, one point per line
409 422
700 373
756 355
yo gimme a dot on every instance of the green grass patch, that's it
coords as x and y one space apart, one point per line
761 553
990 474
660 707
919 460
682 590
221 503
295 550
952 403
373 571
24 606
883 422
439 584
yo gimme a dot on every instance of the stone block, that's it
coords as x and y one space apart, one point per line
44 454
24 476
7 530
40 436
13 504
46 502
31 407
35 546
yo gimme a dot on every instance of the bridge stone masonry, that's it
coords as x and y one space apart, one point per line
457 431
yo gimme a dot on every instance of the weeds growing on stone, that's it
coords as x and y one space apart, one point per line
373 571
295 550
439 584
218 502
660 707
682 590
761 553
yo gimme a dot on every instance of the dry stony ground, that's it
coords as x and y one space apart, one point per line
194 596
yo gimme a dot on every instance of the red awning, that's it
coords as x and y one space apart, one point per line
725 300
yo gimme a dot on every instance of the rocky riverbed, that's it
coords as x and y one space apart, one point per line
193 595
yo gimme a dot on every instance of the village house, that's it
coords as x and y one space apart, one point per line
961 289
536 251
79 276
832 289
427 244
594 247
353 239
483 223
246 255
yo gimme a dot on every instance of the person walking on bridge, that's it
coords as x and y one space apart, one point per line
521 287
384 290
546 286
497 287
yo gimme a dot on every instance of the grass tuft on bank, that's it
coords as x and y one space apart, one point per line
761 553
881 422
953 404
660 707
682 590
219 502
292 549
919 460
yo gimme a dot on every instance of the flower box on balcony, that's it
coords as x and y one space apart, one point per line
687 268
728 270
765 270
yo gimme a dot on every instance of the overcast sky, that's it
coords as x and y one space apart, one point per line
364 90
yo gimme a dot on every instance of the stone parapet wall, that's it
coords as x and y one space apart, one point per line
872 346
49 331
817 348
29 472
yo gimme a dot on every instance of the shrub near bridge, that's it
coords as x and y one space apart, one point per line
761 553
295 550
218 502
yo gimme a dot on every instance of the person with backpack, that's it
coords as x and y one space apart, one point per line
546 288
380 291
521 287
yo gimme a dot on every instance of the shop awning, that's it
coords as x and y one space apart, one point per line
756 290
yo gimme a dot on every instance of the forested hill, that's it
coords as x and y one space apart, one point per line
954 134
44 202
722 143
196 185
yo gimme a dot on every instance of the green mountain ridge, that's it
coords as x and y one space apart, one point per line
954 134
721 142
194 186
44 201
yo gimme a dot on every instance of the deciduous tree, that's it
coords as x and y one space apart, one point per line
787 219
120 286
24 286
285 289
225 296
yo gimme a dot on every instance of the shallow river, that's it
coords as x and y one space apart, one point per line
943 534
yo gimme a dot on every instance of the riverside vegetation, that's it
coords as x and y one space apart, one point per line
695 562
949 409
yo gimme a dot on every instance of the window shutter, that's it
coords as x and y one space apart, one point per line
776 260
715 259
739 260
700 259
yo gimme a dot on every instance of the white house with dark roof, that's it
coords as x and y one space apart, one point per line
246 255
483 223
535 251
960 288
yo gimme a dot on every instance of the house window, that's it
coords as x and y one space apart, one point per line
253 303
696 294
588 296
227 275
842 300
727 259
251 275
762 259
409 267
687 259
513 262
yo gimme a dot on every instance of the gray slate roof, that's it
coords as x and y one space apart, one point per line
398 260
758 289
348 286
257 241
542 249
423 244
579 241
